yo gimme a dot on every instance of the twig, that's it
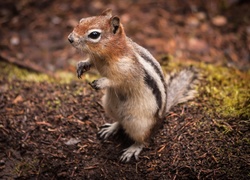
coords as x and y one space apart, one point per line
23 64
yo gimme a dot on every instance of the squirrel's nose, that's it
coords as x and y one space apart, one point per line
70 38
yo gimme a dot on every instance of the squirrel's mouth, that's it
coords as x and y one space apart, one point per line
74 40
71 38
78 45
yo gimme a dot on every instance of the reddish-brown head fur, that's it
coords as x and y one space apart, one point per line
112 41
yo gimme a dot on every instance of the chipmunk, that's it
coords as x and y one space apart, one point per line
137 95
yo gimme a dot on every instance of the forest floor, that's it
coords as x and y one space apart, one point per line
49 119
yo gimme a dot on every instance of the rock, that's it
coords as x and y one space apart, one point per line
219 20
72 141
201 16
197 45
193 21
15 40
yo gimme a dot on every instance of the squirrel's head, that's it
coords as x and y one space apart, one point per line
98 34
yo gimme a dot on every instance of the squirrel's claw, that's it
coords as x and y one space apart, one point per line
108 130
94 85
79 73
81 68
133 150
100 83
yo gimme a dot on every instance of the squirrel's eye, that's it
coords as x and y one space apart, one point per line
94 35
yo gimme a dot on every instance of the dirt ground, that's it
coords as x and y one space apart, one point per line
48 129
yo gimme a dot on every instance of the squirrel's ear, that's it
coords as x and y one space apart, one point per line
107 12
115 23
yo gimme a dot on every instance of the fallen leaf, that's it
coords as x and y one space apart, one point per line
72 141
19 98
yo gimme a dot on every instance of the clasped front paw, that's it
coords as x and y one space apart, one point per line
82 67
95 85
101 83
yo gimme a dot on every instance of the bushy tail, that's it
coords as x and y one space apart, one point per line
181 86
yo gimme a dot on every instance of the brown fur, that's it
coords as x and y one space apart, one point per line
111 47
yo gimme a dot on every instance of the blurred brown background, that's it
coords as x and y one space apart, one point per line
34 33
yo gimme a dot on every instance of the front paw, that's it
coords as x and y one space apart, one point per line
101 83
82 67
95 85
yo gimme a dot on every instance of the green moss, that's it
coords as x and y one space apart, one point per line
25 167
53 104
224 126
246 140
225 91
11 72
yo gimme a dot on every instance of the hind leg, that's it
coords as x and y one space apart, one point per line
133 150
139 130
108 129
109 104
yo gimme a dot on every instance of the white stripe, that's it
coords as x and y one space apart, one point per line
148 54
151 71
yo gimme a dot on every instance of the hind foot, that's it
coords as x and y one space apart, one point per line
108 129
133 150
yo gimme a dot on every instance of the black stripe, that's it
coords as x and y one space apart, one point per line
151 61
153 85
159 72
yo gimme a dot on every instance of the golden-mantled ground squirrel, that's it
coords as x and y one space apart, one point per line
137 95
